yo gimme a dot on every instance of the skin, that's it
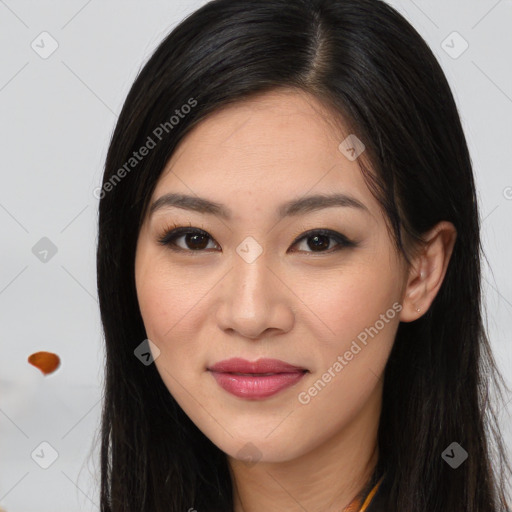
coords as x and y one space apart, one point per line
292 303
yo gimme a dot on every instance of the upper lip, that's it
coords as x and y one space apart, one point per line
239 365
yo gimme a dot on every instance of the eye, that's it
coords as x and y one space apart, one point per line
197 240
319 240
194 239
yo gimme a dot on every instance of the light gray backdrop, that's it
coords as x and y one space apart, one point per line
66 67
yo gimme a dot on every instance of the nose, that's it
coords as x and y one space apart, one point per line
254 302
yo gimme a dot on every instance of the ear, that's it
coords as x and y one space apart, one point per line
427 271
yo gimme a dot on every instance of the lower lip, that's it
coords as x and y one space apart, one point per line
256 387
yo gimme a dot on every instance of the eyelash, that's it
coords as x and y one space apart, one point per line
175 231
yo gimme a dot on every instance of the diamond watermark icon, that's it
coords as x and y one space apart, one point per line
44 45
454 45
249 454
454 455
44 455
147 352
351 147
249 250
44 250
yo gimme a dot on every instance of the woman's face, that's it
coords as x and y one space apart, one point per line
250 285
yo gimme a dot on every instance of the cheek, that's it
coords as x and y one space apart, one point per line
344 303
356 317
362 328
170 305
153 296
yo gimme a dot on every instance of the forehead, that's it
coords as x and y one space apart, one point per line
266 149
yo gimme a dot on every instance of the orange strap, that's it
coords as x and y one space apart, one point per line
356 506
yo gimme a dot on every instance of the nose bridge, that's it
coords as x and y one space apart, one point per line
252 302
251 282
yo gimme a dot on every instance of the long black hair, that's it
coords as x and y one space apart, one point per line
365 62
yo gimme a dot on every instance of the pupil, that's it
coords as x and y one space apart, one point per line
194 237
320 245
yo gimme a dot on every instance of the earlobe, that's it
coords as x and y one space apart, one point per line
421 278
413 305
428 271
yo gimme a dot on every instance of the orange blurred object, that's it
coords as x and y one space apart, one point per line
47 362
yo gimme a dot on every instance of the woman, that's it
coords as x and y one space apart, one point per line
289 273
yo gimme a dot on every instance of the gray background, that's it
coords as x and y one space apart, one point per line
57 115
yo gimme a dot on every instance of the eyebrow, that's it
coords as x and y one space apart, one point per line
294 207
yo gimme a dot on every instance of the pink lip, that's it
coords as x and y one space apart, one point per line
239 365
255 384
